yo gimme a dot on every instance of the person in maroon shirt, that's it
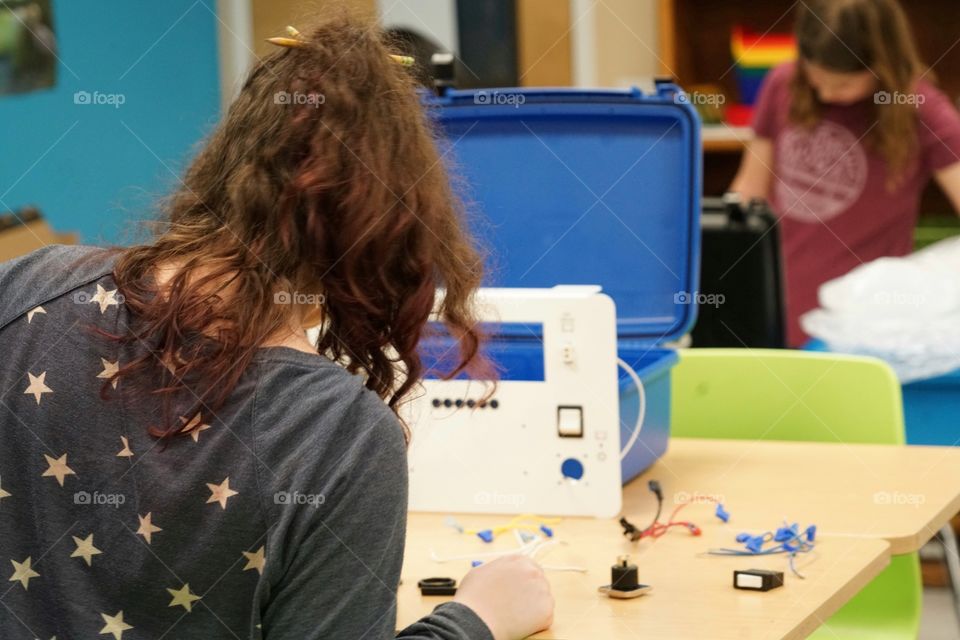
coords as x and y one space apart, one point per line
846 139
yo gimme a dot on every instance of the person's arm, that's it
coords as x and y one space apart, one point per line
949 180
754 176
938 130
509 597
756 171
334 555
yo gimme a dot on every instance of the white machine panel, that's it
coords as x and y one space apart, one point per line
549 446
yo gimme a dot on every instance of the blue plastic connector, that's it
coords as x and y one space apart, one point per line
722 513
787 533
754 544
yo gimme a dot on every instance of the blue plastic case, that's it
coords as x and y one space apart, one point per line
590 187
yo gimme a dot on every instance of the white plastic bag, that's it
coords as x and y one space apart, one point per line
903 310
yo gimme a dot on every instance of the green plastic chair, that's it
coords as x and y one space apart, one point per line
795 395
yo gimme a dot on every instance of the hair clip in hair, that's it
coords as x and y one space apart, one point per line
293 41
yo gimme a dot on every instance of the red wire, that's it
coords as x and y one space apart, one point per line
657 529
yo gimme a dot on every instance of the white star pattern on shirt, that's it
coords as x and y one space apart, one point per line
38 386
221 493
109 369
23 573
34 312
85 549
255 560
114 625
105 298
194 427
147 528
58 468
74 381
182 597
126 452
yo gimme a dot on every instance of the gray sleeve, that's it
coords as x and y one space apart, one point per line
44 274
449 620
335 564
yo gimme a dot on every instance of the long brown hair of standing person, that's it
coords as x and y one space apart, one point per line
851 36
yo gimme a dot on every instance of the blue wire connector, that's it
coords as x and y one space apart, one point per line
486 535
787 533
722 513
755 543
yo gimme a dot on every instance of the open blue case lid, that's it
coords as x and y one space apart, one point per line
585 187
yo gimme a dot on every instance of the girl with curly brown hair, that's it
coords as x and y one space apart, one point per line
179 459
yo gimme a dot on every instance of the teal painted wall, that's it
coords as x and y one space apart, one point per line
98 168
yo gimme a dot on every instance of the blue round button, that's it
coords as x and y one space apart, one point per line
572 468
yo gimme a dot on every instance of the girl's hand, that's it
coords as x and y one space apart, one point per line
511 595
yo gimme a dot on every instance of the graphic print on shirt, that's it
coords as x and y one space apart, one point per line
820 171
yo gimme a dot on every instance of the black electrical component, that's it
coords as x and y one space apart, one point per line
757 579
438 587
623 581
444 72
623 575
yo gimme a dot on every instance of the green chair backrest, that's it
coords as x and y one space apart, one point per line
774 394
795 395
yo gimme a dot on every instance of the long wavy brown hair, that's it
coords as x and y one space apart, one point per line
849 36
323 181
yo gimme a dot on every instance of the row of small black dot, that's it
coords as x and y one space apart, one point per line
493 404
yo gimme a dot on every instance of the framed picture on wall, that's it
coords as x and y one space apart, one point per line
28 45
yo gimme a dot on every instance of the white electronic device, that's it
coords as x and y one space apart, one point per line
546 444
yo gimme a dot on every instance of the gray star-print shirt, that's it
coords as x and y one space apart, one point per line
285 517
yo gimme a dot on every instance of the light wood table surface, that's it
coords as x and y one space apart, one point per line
899 494
868 502
692 594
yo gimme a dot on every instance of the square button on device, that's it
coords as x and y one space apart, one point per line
570 422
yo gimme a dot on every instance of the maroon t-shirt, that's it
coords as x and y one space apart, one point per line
830 191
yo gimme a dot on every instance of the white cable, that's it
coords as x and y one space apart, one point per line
641 409
473 556
562 567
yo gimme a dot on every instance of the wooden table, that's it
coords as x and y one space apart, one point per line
692 593
896 493
868 502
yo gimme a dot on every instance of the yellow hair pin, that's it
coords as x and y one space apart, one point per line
295 41
406 61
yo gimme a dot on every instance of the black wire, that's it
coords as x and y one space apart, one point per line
629 529
659 509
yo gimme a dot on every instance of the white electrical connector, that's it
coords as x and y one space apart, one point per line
569 354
